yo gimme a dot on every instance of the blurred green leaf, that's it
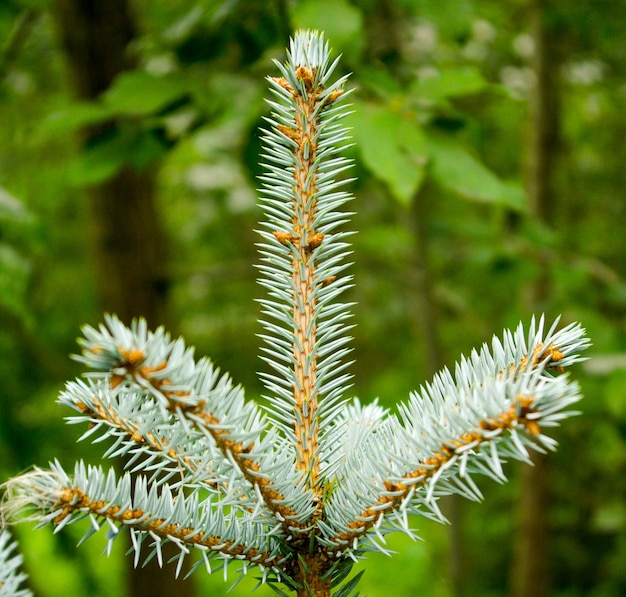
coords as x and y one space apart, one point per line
392 146
76 115
109 155
386 241
610 517
146 148
450 82
615 394
457 170
606 445
341 23
14 276
183 26
12 208
139 93
380 82
98 163
33 3
452 17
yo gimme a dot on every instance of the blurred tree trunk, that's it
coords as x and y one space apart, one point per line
384 26
426 319
127 241
530 574
128 244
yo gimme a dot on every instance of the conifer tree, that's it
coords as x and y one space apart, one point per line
300 487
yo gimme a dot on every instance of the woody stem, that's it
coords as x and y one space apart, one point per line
304 281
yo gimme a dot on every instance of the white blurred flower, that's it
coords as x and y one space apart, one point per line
241 199
21 83
210 140
422 39
584 72
222 176
518 80
427 72
475 50
205 177
180 122
524 45
161 65
483 31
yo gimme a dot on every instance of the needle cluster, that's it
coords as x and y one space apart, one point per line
11 576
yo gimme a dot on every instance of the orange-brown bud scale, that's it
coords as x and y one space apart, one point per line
148 370
285 238
306 76
290 133
283 83
333 96
314 241
131 357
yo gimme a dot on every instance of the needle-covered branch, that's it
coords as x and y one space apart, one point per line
497 406
303 253
178 418
157 514
303 485
11 574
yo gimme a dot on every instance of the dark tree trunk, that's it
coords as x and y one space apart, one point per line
531 572
384 29
129 248
427 322
127 241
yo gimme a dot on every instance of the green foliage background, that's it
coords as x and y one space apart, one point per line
441 118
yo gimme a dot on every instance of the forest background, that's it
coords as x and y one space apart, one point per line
489 150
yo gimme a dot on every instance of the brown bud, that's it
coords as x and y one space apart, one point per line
333 96
284 238
283 83
315 240
132 356
289 132
306 76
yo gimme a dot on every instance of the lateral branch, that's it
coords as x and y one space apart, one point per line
518 414
203 421
72 500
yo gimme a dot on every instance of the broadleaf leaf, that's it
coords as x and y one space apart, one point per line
392 147
457 170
